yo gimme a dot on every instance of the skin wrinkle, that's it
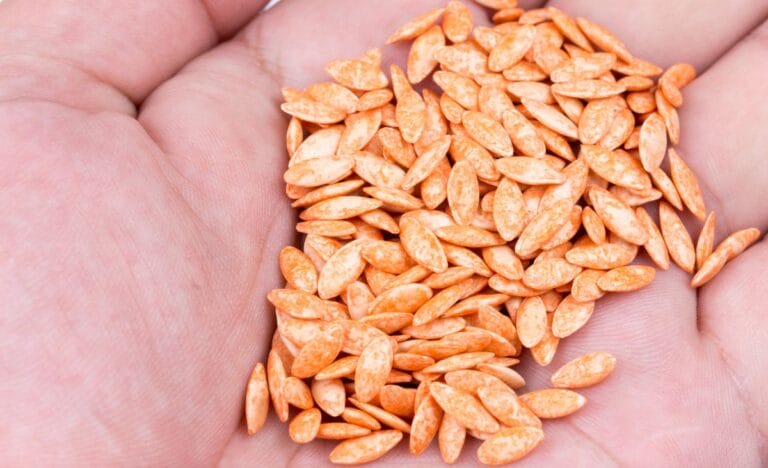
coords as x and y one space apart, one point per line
126 106
705 335
608 454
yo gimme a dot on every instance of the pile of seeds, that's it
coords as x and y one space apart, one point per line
445 233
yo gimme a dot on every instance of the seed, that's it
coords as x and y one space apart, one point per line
511 48
601 256
676 237
365 449
571 315
654 246
509 376
706 241
653 142
550 273
385 417
372 369
451 437
604 39
686 185
463 192
464 407
416 26
256 399
617 167
356 74
731 247
618 216
297 393
487 132
502 402
276 375
421 59
551 118
509 445
531 321
553 402
627 278
584 371
343 268
426 422
530 171
588 89
542 227
360 418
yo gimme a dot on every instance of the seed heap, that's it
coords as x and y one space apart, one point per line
520 188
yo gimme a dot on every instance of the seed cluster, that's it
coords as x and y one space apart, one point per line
447 233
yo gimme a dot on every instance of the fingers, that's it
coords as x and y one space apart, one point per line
665 32
102 50
734 328
723 139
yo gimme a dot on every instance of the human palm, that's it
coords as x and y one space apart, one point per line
142 214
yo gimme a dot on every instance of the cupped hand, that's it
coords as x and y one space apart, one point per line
141 214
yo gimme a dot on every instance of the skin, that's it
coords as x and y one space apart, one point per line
142 215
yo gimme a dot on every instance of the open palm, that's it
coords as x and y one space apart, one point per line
141 213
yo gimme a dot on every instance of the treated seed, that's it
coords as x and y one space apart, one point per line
686 185
464 407
529 171
551 118
305 426
463 192
511 48
676 237
343 268
731 247
421 59
584 371
604 39
654 246
553 402
422 245
503 403
318 353
256 399
617 216
571 315
542 227
365 449
653 142
416 26
451 437
297 393
531 323
360 418
460 88
706 240
427 162
372 369
509 445
488 132
626 278
426 422
356 74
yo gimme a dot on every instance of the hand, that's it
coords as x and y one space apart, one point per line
142 214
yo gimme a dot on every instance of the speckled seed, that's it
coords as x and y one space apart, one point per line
365 449
509 445
584 371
